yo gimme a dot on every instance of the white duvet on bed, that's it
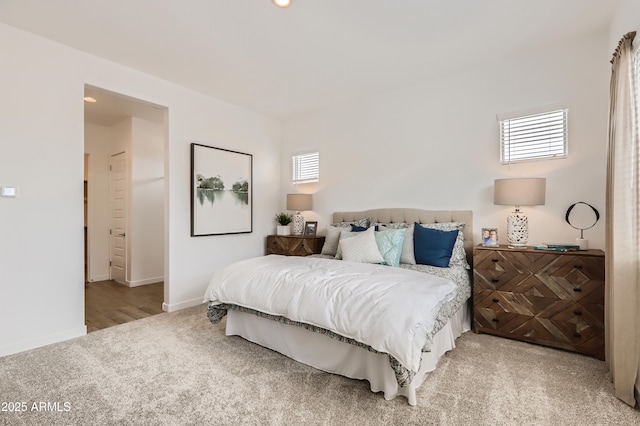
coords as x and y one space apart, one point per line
388 308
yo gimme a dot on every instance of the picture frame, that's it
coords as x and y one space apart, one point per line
310 228
490 237
221 191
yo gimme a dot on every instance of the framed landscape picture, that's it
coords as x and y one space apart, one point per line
221 191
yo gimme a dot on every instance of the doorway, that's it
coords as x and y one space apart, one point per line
125 139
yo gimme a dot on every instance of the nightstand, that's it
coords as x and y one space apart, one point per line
550 298
294 245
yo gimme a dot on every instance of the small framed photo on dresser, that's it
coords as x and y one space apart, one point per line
490 237
310 228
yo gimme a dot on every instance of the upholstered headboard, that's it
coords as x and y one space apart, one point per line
408 215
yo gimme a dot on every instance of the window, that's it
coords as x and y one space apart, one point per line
306 167
533 137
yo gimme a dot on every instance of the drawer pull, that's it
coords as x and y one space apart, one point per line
495 280
495 300
577 290
577 335
494 260
495 319
577 266
577 313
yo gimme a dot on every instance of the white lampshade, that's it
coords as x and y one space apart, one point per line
299 202
519 192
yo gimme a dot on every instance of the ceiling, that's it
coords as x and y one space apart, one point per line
111 108
312 55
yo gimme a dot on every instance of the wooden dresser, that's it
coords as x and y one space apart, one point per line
294 245
550 298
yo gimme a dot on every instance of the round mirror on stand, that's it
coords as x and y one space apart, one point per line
582 216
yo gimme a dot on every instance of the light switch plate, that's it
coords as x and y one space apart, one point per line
8 191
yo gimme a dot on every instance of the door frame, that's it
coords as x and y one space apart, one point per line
118 216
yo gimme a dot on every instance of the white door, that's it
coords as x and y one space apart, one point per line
117 218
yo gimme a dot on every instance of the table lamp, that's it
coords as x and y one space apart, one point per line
298 203
518 192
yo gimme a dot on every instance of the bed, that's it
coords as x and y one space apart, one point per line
326 318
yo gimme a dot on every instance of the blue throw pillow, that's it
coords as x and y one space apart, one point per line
356 228
432 246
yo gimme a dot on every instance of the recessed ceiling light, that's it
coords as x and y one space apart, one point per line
89 99
282 3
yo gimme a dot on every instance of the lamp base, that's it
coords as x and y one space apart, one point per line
517 230
298 224
515 246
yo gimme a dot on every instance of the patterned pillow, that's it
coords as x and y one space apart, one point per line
361 248
395 225
389 245
344 235
362 222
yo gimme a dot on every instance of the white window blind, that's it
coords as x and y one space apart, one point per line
533 137
306 167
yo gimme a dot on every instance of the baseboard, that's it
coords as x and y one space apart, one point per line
99 278
183 305
38 342
144 282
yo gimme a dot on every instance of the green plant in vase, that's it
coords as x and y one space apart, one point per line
283 220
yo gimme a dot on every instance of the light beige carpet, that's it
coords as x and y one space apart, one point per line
179 369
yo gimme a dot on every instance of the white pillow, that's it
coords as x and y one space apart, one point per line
408 255
361 248
331 240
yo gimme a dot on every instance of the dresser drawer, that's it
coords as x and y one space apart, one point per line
294 245
508 271
575 278
571 335
506 301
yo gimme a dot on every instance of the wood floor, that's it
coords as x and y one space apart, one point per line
108 303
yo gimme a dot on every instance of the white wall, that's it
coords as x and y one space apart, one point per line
42 141
145 236
626 19
435 146
121 139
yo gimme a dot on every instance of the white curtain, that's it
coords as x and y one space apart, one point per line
622 300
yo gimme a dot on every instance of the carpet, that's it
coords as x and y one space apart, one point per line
179 369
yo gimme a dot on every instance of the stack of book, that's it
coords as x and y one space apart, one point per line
557 247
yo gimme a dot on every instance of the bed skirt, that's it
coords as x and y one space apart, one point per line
333 356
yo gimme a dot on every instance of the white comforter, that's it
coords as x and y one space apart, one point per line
390 309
